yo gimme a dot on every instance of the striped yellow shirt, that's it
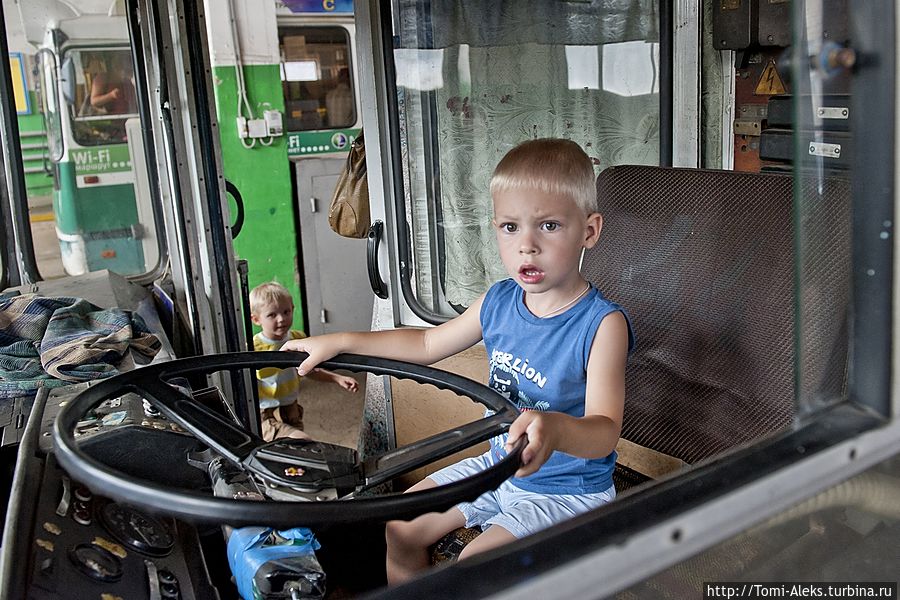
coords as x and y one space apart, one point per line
277 387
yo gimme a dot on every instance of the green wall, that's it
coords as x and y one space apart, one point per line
268 240
34 150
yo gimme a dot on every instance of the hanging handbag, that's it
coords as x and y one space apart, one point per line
349 212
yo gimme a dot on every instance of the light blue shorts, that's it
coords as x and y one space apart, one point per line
518 511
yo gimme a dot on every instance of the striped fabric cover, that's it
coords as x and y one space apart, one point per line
54 341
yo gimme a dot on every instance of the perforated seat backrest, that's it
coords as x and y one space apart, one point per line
703 261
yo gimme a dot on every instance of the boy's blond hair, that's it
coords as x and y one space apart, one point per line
550 165
267 293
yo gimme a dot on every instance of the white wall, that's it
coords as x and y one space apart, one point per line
256 28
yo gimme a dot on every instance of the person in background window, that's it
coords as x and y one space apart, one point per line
112 91
339 101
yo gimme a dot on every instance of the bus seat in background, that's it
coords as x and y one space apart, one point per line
703 262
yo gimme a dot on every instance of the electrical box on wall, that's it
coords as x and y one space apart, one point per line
273 122
774 27
241 127
735 25
269 126
256 128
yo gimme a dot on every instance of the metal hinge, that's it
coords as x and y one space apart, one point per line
833 112
825 150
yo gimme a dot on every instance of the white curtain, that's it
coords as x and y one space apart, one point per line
478 78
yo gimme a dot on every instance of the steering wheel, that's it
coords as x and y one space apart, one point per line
301 465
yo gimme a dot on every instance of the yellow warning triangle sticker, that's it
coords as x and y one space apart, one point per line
770 83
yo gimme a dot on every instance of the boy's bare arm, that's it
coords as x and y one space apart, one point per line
321 374
348 383
422 346
596 434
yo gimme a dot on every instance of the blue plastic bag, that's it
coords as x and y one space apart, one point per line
290 551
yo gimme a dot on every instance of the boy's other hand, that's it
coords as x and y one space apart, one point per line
540 429
348 383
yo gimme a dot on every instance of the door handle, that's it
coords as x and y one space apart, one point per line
373 240
239 221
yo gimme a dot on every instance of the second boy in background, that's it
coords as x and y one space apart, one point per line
272 308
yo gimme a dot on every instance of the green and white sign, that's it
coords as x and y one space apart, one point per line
101 166
311 143
101 159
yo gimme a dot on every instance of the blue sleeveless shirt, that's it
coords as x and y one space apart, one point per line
541 364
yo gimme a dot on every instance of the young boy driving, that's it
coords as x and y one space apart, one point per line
556 348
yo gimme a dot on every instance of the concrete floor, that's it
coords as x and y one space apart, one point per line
332 414
46 245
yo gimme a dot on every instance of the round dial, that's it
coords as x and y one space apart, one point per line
136 530
96 562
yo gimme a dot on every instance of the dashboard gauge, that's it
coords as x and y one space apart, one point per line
136 530
95 562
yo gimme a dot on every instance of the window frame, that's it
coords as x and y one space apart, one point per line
19 265
286 24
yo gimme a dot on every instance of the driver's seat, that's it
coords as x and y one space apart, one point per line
703 261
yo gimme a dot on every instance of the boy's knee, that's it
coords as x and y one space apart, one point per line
494 537
400 533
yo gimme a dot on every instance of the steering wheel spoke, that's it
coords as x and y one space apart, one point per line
392 463
221 434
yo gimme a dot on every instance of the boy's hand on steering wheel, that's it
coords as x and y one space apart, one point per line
319 348
541 431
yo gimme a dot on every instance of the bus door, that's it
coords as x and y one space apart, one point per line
464 84
322 119
98 221
119 114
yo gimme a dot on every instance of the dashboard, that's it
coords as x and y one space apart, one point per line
63 541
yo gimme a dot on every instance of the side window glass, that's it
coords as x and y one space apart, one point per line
101 97
316 78
471 86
